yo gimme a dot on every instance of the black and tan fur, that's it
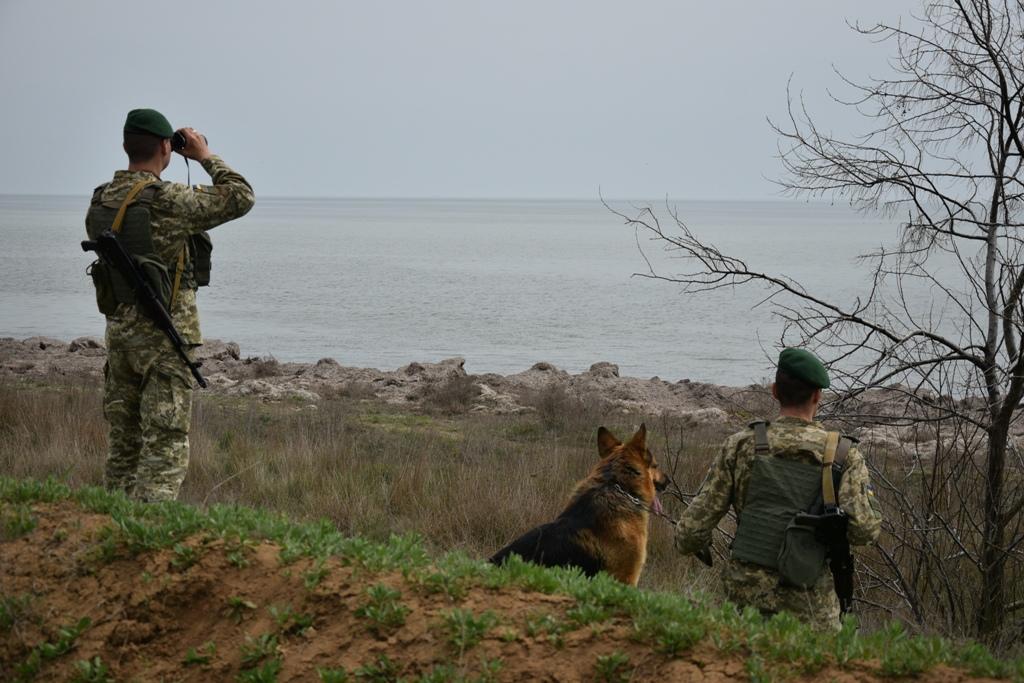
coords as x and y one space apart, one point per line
600 529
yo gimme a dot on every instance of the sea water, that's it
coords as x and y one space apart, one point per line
502 283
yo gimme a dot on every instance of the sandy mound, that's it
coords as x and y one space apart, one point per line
211 608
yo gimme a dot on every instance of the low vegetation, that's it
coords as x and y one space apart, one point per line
461 484
464 482
642 628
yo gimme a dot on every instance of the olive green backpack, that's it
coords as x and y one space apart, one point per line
130 221
773 531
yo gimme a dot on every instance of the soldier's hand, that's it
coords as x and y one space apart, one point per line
195 145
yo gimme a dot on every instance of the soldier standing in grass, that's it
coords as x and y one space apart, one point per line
148 389
769 474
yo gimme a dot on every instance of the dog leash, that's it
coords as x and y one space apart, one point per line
704 555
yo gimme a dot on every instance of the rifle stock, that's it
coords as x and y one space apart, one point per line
110 249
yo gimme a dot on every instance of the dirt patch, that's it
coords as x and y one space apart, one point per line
214 609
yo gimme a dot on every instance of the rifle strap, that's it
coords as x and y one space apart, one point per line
761 446
132 193
828 490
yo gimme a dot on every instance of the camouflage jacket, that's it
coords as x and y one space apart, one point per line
726 485
177 211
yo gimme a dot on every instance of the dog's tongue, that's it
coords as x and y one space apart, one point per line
656 505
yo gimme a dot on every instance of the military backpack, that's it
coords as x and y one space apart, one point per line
130 220
786 507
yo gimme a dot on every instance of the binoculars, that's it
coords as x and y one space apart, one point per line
178 141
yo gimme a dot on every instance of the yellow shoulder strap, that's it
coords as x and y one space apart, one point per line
177 275
132 193
828 491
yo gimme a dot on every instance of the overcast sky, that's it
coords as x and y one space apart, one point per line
446 98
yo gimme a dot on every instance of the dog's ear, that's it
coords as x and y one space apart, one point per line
606 442
639 440
639 444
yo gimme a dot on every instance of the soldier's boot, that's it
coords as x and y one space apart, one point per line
121 399
166 411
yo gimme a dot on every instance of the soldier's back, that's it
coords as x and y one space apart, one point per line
752 585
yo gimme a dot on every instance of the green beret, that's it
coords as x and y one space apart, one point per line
148 121
804 366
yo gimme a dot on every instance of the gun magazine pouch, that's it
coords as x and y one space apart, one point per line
802 557
200 247
106 300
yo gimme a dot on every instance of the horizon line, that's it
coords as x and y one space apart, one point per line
476 198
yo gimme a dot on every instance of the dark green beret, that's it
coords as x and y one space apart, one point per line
804 366
148 121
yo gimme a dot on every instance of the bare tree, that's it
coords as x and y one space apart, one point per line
943 154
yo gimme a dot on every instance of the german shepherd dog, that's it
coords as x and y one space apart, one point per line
604 526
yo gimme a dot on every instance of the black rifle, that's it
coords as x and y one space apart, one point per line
830 531
113 252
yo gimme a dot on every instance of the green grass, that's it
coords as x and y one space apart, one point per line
264 673
238 607
288 621
549 627
612 668
91 671
257 649
50 650
332 675
200 656
14 609
312 577
16 520
381 670
465 629
184 556
383 611
668 623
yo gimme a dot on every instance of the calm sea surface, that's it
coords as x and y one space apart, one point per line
380 283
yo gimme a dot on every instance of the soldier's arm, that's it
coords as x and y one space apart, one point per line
693 530
857 498
207 206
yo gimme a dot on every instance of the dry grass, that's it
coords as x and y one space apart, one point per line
453 395
561 409
259 368
469 482
354 389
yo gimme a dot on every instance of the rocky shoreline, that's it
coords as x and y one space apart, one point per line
229 372
715 408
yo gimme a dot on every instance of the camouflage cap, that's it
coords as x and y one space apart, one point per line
804 366
148 121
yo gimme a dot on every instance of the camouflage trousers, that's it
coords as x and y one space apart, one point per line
750 586
147 400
